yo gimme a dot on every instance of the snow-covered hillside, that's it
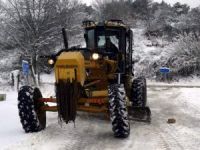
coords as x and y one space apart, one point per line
149 54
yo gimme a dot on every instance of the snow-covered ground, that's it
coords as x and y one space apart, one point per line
94 133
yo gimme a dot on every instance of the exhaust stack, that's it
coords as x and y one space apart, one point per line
65 38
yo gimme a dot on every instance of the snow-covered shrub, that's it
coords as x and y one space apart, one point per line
181 56
186 55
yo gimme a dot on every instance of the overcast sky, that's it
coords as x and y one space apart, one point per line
191 3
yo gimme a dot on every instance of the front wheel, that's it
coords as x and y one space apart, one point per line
32 118
118 110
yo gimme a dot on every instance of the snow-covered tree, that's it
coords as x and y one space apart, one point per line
181 8
142 9
113 9
35 26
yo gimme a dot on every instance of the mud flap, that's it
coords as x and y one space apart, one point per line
142 114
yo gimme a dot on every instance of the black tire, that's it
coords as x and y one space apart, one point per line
118 110
139 92
32 118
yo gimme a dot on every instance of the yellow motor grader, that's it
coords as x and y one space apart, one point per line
95 79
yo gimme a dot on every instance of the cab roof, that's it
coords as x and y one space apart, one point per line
90 24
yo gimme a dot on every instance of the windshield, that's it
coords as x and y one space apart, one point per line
103 39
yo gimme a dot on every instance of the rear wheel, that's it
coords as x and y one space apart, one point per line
32 118
118 111
139 92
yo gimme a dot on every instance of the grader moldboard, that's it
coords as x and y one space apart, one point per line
95 79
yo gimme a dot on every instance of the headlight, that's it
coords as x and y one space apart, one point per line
50 61
95 56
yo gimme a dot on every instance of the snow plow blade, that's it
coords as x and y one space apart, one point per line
141 114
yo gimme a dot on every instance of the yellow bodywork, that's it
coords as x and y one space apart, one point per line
70 66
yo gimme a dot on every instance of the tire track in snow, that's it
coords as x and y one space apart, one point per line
55 137
168 141
189 106
171 142
178 135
